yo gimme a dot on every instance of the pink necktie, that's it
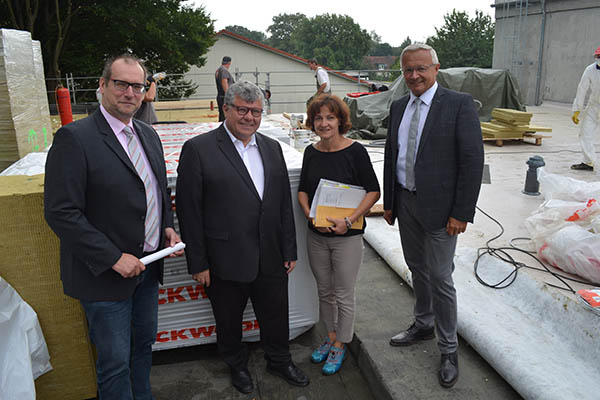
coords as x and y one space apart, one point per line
151 221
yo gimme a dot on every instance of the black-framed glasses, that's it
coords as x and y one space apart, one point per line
241 111
419 70
122 86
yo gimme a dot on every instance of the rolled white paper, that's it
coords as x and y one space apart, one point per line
150 258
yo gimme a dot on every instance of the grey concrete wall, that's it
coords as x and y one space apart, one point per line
571 35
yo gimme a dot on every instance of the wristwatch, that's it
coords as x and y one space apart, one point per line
348 223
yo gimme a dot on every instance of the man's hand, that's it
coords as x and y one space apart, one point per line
575 117
289 265
129 266
454 226
387 215
171 239
202 278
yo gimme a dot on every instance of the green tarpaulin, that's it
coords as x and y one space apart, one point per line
491 87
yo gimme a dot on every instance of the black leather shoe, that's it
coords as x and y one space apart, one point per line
582 167
241 380
449 370
292 374
412 335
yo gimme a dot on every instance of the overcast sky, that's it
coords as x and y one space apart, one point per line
392 20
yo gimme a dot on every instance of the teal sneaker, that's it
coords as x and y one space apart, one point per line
334 360
321 352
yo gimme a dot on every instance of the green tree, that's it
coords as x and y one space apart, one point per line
382 49
334 40
78 35
254 35
464 42
281 31
398 63
398 50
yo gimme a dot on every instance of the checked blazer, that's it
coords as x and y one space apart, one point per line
449 161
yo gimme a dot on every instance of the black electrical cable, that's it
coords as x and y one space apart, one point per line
502 254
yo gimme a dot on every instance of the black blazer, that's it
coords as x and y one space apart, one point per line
96 204
227 228
449 162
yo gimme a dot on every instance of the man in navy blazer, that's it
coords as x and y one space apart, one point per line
235 213
432 175
107 200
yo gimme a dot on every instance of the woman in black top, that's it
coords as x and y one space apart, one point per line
335 252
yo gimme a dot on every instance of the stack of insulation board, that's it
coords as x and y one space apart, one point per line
24 118
185 316
510 124
30 264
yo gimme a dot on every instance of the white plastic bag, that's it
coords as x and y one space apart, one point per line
566 227
23 351
574 249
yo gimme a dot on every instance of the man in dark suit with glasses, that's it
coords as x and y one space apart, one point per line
107 200
432 174
235 213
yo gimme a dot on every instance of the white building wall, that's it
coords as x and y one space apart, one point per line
291 81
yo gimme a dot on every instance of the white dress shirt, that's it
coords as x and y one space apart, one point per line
426 99
252 160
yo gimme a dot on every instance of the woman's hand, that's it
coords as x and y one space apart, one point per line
339 226
320 229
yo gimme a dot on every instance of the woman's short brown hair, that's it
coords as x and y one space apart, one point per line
335 105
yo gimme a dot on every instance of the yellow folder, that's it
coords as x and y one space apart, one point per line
335 212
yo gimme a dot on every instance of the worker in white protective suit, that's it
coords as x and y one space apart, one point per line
590 114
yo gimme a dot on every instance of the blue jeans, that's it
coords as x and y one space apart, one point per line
123 333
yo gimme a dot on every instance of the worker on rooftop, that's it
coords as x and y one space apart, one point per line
589 83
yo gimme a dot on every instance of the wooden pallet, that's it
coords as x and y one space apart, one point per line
500 141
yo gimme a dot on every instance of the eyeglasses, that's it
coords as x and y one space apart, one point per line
122 86
420 69
241 111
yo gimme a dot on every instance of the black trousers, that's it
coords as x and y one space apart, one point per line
220 102
269 296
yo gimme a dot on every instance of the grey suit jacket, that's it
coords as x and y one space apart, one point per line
227 228
95 202
449 162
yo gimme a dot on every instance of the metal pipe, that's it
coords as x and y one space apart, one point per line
538 77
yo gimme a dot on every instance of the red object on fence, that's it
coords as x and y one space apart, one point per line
63 101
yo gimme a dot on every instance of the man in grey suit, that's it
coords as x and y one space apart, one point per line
432 175
106 198
235 213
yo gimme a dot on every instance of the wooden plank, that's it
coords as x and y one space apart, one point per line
537 128
524 118
500 141
514 113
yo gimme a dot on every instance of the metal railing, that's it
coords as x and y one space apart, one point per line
284 91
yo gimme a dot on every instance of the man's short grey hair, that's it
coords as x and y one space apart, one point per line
245 90
421 46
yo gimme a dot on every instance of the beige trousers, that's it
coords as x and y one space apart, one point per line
335 262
